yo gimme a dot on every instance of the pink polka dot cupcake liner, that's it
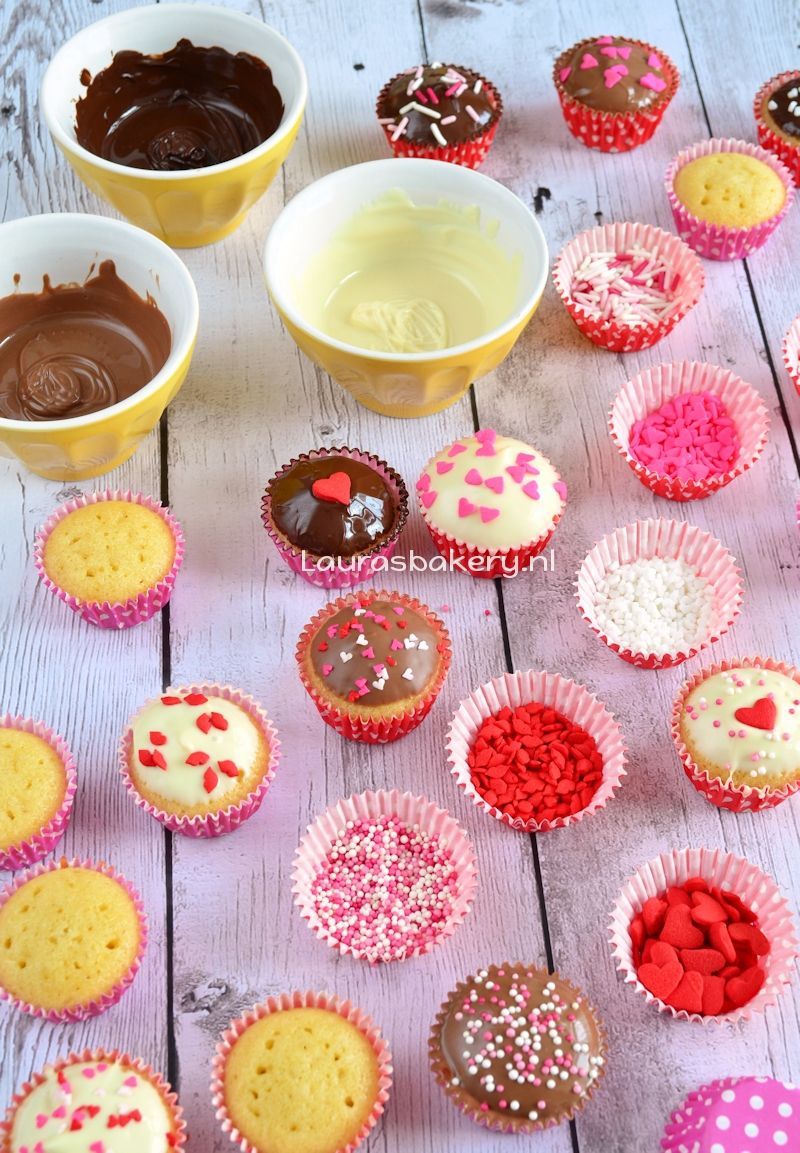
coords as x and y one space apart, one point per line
787 152
107 1000
573 701
717 241
349 571
31 850
685 273
122 614
415 813
674 539
723 794
720 870
213 824
791 352
656 386
735 1114
298 1000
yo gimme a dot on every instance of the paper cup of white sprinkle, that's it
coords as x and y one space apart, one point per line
658 591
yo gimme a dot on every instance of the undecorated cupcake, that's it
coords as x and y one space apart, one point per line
37 789
777 112
752 1114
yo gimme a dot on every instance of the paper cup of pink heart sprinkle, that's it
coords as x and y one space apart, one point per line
658 591
627 285
728 1113
791 352
718 241
688 429
27 852
722 871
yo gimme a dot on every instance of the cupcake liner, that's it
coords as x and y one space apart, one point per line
320 836
614 131
692 1124
791 352
663 538
611 333
297 1000
362 725
722 870
212 824
787 152
346 574
122 614
31 850
571 700
107 1000
735 798
717 241
177 1138
655 386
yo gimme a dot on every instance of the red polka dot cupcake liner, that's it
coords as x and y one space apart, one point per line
674 539
791 352
717 241
723 794
348 571
298 1000
573 701
414 812
787 152
121 614
654 387
107 1000
720 870
727 1115
608 332
31 850
217 823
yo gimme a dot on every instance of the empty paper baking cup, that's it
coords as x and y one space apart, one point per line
791 352
656 386
725 1116
787 151
32 849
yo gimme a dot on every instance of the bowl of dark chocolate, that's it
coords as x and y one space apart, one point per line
179 115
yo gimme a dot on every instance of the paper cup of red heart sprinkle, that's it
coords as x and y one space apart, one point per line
536 751
688 429
658 591
786 150
413 860
727 1114
27 852
718 241
627 285
791 352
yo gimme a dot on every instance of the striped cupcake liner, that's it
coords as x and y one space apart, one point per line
791 352
32 849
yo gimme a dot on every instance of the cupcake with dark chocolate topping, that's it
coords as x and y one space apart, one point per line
777 112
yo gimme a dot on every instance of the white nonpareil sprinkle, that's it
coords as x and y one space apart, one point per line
659 605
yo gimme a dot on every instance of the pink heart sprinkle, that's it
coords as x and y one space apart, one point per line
487 449
102 1066
473 477
531 489
624 52
398 609
524 457
560 488
378 669
41 1120
589 61
396 645
89 1073
488 514
653 82
60 1112
456 448
484 434
563 74
424 482
610 50
97 1147
379 619
604 40
517 472
653 61
327 670
612 76
360 682
466 507
428 498
443 466
495 483
368 653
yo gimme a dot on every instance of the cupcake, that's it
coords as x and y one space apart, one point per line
74 934
374 663
777 112
614 91
757 1114
508 1087
37 789
491 503
333 514
111 556
117 1103
440 112
199 758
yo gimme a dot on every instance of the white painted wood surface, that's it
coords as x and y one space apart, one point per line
250 402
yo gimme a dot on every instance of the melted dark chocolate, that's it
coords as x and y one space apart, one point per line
784 108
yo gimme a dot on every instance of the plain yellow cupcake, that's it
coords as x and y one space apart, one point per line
301 1080
730 189
33 783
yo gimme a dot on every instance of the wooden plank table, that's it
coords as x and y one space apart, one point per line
224 929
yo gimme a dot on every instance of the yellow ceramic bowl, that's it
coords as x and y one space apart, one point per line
191 208
66 247
402 384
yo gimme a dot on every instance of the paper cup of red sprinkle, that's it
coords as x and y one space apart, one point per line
536 751
33 848
658 591
627 285
688 429
730 1112
791 352
704 935
413 861
785 149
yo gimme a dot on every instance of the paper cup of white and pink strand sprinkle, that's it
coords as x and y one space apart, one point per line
688 429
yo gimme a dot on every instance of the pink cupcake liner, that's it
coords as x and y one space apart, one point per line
725 795
611 333
297 1000
722 870
791 352
212 824
346 574
362 725
164 1089
717 241
30 851
723 1109
655 386
645 539
122 614
565 696
320 836
106 1000
787 152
